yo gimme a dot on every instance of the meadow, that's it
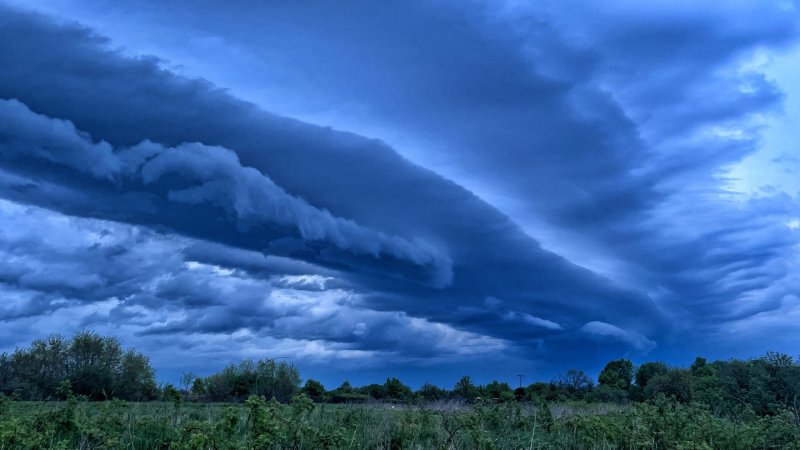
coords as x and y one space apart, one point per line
88 392
302 424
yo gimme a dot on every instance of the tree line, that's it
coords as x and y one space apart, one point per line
735 388
98 368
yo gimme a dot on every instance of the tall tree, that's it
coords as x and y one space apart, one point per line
617 373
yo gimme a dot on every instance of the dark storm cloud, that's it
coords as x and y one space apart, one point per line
605 130
121 103
194 174
606 126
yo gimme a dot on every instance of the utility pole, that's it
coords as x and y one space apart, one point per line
521 376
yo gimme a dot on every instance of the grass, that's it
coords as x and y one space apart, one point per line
258 424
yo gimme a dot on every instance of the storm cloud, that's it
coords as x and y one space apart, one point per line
538 178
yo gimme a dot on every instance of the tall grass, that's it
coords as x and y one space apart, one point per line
261 424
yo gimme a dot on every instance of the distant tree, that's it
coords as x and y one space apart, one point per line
676 384
396 390
135 379
170 393
345 387
701 368
198 387
314 390
612 394
498 391
618 374
287 381
345 393
6 374
186 380
375 391
465 390
784 381
96 366
264 378
777 359
94 359
574 381
540 391
430 392
648 370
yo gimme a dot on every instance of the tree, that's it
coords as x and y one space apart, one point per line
262 378
617 373
498 391
170 393
431 393
541 391
396 390
374 390
198 387
6 374
648 370
465 390
676 383
186 380
96 366
700 368
135 379
315 390
95 360
574 384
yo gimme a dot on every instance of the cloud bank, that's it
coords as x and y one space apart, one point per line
544 180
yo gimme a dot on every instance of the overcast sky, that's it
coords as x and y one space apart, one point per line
424 189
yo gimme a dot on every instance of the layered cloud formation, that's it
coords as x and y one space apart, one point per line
538 186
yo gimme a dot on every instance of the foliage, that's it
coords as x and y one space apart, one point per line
617 374
737 404
465 390
96 366
261 424
647 372
262 378
314 390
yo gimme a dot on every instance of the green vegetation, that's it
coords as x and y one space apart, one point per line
301 424
97 367
65 394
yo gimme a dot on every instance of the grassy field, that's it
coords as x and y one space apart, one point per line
258 424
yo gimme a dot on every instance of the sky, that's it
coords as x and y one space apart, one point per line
422 189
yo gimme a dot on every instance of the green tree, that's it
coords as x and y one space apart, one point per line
396 390
648 370
701 368
617 373
574 382
374 390
95 360
135 379
430 392
498 391
676 384
96 365
198 387
465 390
314 390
